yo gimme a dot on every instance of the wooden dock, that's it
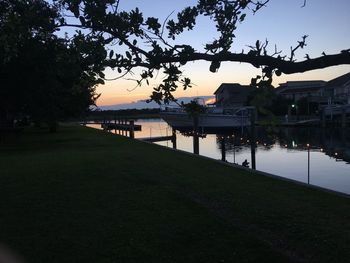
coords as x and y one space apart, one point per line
119 126
122 127
157 139
171 138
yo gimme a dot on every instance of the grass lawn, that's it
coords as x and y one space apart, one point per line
83 195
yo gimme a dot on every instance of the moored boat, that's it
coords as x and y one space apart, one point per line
213 118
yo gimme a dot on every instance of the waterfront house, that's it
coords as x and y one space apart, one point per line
335 91
296 90
338 90
232 95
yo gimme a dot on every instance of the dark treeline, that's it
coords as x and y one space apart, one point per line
45 78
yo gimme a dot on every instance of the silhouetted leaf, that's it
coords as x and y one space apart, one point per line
111 53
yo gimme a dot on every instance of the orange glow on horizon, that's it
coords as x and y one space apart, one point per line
204 82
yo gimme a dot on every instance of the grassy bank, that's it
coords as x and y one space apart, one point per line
82 195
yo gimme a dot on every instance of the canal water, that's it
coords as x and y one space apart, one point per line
311 155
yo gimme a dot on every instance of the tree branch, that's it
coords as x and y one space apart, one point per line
285 66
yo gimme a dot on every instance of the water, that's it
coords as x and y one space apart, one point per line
280 151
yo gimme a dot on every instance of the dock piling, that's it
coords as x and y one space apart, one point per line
131 129
195 135
173 139
252 140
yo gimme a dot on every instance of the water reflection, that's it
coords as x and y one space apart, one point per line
334 143
312 155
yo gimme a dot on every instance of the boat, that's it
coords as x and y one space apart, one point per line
212 118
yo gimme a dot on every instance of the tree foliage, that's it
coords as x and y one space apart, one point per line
268 103
193 108
153 45
44 76
50 75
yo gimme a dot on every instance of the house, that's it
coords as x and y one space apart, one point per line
334 91
338 89
296 90
231 95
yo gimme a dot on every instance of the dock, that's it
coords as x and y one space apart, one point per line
157 139
335 113
121 127
171 138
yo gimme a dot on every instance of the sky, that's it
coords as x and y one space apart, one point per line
282 22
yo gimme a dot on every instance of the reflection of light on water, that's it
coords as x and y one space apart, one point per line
153 128
95 126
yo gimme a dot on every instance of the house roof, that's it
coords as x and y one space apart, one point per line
312 85
339 81
300 86
234 88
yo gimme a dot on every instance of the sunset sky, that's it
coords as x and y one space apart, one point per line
282 22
